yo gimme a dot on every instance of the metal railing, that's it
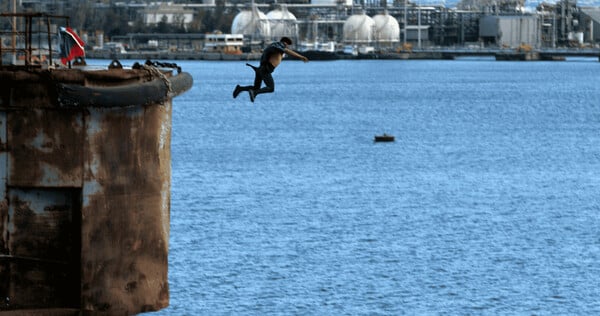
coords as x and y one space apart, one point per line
31 40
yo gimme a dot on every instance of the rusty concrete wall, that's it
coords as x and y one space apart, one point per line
85 199
125 213
42 172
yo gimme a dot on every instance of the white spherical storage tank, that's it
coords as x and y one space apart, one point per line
359 28
283 23
251 23
387 29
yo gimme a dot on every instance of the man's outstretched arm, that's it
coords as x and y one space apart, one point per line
293 53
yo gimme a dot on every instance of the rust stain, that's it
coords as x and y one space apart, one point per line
132 168
3 227
46 148
52 226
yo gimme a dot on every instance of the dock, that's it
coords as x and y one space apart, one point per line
416 54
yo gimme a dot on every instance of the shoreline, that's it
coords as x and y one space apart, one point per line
436 54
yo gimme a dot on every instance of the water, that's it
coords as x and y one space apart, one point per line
487 203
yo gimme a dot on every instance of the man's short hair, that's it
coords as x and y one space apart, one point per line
286 40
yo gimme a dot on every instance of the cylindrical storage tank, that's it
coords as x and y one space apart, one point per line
387 29
100 39
252 23
579 37
359 28
283 23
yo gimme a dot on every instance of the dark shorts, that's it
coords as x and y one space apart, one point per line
266 67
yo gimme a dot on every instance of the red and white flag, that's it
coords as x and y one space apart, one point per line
71 46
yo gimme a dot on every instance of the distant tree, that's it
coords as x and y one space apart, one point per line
219 18
79 11
163 26
115 23
178 25
476 5
196 24
97 22
481 5
138 26
123 23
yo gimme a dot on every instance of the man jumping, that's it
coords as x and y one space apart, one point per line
270 59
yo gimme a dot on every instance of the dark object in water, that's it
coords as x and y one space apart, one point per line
384 138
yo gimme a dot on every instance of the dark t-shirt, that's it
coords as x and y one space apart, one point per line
274 48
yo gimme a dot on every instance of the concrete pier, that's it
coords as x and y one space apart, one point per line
85 189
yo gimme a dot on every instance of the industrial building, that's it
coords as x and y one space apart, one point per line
590 19
510 31
380 24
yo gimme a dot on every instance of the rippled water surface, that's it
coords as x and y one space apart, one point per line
486 203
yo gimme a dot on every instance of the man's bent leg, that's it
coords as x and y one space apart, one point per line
269 84
258 78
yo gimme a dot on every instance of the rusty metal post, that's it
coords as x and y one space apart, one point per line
49 38
14 31
28 40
